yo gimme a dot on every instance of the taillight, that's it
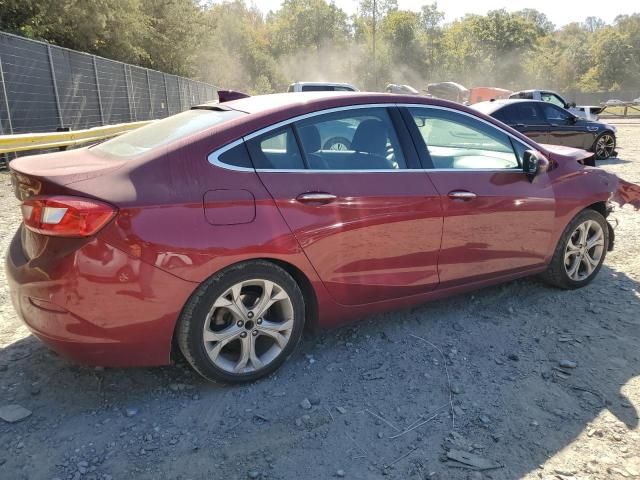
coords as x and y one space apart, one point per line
62 216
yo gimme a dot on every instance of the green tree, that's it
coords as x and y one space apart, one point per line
176 30
303 24
111 28
489 49
539 19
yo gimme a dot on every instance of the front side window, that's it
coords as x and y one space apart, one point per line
163 132
457 141
555 114
276 149
353 139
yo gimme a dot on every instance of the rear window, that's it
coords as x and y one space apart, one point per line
318 88
163 132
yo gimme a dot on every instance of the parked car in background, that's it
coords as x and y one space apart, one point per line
482 94
449 91
401 89
546 122
614 102
268 231
321 87
590 112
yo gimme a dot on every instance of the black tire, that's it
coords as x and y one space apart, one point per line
601 154
334 142
190 327
556 273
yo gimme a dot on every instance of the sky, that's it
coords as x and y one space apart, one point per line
560 12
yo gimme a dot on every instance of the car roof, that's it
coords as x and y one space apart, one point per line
306 102
489 107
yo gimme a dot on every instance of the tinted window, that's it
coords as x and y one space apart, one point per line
317 88
507 115
237 156
276 149
358 139
555 114
162 132
458 141
524 113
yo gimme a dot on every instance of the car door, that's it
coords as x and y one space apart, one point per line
366 215
496 220
565 128
527 119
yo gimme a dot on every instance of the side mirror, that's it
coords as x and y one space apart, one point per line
534 164
572 105
572 120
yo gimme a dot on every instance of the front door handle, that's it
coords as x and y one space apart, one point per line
463 195
318 198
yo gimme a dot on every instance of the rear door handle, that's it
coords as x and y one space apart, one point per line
318 198
463 195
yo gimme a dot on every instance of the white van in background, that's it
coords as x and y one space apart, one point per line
321 87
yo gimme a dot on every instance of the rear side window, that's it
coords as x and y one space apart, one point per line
353 139
277 149
524 113
507 115
163 132
237 156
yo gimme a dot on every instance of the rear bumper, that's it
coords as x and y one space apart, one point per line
96 313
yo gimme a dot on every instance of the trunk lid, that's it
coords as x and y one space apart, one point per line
51 173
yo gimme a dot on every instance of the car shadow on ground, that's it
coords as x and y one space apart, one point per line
612 161
513 402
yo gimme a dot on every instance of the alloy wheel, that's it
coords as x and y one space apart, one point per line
248 326
605 146
584 250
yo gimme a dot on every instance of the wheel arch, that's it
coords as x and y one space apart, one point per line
308 292
600 207
603 209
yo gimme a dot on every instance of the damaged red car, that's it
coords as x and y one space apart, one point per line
222 232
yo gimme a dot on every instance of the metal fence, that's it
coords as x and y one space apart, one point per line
44 88
596 98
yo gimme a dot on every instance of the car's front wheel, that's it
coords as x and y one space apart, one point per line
604 146
242 323
580 252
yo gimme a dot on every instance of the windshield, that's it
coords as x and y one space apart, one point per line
162 132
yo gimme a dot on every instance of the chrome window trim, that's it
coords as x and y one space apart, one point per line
214 159
315 114
460 112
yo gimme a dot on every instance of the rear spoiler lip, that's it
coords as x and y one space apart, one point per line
229 95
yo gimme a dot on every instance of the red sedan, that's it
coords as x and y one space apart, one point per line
224 230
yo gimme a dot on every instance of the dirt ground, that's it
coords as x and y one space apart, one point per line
366 401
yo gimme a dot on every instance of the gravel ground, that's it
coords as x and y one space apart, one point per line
365 401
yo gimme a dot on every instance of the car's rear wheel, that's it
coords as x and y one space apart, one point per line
337 143
580 252
243 323
604 146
